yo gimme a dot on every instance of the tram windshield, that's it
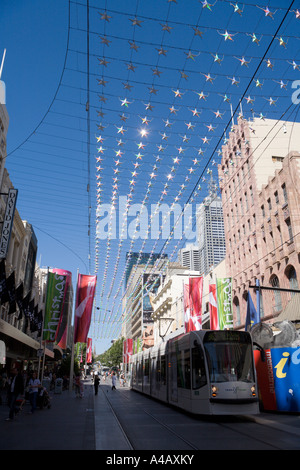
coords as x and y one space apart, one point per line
229 356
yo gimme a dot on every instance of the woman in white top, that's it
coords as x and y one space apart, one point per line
34 386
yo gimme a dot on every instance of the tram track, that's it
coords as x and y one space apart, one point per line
135 422
165 426
127 439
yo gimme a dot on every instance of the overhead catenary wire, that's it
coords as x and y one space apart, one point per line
236 109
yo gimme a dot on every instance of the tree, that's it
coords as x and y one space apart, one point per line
65 365
113 356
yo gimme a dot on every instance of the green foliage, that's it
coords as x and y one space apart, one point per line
65 365
113 356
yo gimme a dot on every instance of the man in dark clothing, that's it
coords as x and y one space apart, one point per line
16 388
96 383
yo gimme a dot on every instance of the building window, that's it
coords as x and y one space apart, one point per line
290 230
274 281
251 195
263 211
292 277
277 159
284 193
246 201
269 204
276 197
237 311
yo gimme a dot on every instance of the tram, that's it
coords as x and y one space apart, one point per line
204 372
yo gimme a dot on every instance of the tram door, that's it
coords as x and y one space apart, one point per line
172 383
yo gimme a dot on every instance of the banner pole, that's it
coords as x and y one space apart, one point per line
73 344
42 333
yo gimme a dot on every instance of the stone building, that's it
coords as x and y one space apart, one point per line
259 181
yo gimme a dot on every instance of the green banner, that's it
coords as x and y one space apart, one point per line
137 345
54 303
224 301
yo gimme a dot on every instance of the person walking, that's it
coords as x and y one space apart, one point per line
34 386
114 381
96 383
16 388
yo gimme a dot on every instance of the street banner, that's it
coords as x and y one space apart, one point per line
252 315
186 307
137 346
10 293
224 301
2 279
195 292
62 329
86 286
54 303
127 350
193 304
213 307
19 299
25 308
89 351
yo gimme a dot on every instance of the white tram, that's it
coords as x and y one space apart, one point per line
203 372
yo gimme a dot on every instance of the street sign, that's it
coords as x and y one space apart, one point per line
39 352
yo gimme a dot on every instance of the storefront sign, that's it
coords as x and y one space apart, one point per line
279 379
8 222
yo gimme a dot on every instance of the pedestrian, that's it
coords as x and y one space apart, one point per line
96 383
113 380
77 385
16 388
34 386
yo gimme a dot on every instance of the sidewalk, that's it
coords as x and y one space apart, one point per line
67 425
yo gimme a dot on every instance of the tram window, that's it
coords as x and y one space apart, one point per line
153 370
134 373
146 371
139 373
157 369
163 370
198 368
184 369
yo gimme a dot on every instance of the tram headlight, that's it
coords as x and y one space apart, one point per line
214 390
253 391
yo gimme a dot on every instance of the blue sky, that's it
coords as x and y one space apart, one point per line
145 57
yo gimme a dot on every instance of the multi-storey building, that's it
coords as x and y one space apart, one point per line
210 231
137 307
20 266
189 257
259 181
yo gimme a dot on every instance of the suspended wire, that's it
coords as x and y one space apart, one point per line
56 92
229 122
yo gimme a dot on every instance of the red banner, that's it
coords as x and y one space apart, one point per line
127 350
89 351
213 307
193 305
186 307
86 286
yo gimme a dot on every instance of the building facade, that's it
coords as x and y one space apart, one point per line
259 177
189 257
210 231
